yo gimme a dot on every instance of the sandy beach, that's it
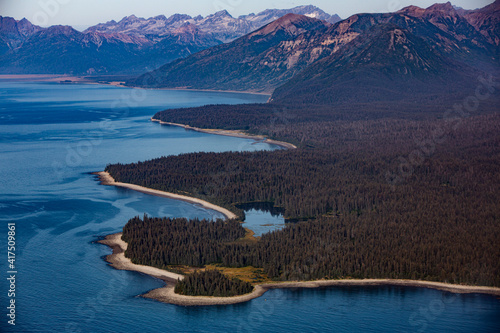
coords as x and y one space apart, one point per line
453 288
106 179
118 260
237 134
251 92
166 294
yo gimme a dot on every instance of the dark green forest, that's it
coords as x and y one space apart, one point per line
211 283
364 246
354 167
162 242
388 198
396 172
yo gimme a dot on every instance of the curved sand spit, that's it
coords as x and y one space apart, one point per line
118 260
236 134
106 179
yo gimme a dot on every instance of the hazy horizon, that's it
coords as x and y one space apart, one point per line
82 14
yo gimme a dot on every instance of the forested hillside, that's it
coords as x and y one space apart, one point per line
168 238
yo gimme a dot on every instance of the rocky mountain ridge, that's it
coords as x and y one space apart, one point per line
131 46
251 63
220 25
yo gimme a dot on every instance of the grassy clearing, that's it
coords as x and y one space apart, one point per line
247 274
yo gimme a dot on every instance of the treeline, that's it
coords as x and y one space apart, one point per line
386 198
161 242
357 176
378 244
211 283
278 120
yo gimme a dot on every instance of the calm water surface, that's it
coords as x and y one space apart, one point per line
52 136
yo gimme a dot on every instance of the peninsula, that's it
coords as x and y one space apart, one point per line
166 294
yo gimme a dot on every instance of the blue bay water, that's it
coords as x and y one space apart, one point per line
53 136
261 222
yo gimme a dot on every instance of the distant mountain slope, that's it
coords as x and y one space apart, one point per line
246 63
457 36
385 63
249 64
486 20
13 33
270 15
63 50
416 55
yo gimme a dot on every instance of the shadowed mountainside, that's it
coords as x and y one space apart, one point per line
64 50
244 63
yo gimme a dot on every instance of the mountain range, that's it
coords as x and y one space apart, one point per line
415 50
131 46
433 52
301 55
258 61
221 25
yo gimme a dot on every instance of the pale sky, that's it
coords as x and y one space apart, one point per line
84 13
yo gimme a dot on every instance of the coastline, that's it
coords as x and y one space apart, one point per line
57 78
166 294
118 260
106 179
237 134
39 77
452 288
85 80
251 92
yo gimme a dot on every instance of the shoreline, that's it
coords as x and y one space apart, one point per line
207 90
106 179
57 78
442 286
118 260
84 80
166 294
232 133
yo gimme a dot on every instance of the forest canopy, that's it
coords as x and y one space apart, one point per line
211 283
404 195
